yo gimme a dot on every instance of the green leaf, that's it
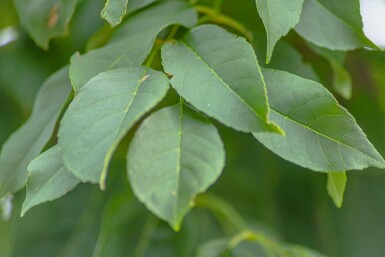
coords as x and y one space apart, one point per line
48 179
218 73
28 141
341 18
320 134
179 150
342 81
115 10
279 17
336 186
132 42
102 113
45 19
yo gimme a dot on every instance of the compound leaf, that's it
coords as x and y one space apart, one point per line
279 17
218 73
336 25
28 141
45 19
102 113
131 42
48 179
179 150
320 134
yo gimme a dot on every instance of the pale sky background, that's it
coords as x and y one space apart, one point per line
373 15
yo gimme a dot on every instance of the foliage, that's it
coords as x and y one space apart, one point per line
155 101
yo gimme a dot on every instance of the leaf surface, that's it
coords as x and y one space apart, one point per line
115 10
336 186
48 179
102 113
218 73
132 42
279 17
28 141
336 25
320 134
45 19
175 155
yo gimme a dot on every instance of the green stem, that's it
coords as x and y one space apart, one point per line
158 46
214 16
222 210
146 235
217 5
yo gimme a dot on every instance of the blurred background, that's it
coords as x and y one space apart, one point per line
274 195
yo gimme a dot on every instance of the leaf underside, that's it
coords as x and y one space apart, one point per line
320 134
175 155
230 86
102 113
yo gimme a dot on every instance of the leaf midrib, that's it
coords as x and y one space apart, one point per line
325 136
224 83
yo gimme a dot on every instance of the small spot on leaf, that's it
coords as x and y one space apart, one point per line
53 16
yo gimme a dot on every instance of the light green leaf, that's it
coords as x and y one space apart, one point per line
102 113
336 25
48 179
131 42
28 141
218 73
336 186
179 150
279 17
320 134
45 19
115 10
342 81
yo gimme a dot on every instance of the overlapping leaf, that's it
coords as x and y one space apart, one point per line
320 134
115 10
45 19
336 25
132 42
102 113
48 179
279 17
28 141
218 73
175 155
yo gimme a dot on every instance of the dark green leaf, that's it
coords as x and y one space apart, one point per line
320 134
279 17
336 186
179 150
132 42
218 73
45 19
102 113
28 141
48 179
336 25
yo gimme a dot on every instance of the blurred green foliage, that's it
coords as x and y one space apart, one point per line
287 201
